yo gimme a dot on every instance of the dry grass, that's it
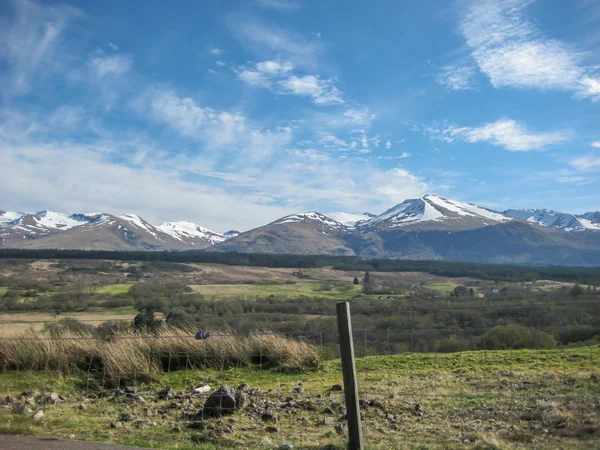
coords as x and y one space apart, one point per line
138 356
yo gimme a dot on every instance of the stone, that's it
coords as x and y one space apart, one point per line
272 429
298 389
244 387
116 425
327 421
24 409
196 425
130 390
336 387
39 415
268 417
126 417
223 401
202 389
166 394
286 446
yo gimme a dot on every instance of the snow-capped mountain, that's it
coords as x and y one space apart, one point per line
350 219
556 219
231 234
129 231
318 221
9 216
189 232
434 213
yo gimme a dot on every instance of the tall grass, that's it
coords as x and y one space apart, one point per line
138 356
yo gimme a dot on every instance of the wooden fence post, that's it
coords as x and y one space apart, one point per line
355 441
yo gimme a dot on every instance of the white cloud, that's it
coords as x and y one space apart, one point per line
322 91
586 163
266 39
508 134
400 156
111 66
595 144
280 5
512 52
115 47
458 78
591 88
388 144
216 51
220 63
31 44
264 72
219 130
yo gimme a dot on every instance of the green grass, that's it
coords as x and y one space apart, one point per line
3 290
492 400
445 288
300 289
114 289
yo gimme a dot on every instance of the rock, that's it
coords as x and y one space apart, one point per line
196 425
223 401
285 446
54 397
244 387
117 392
24 409
327 421
341 428
376 404
135 400
130 390
166 394
390 417
39 415
202 389
126 417
272 429
82 407
336 387
419 411
298 389
142 423
176 429
116 425
268 417
328 411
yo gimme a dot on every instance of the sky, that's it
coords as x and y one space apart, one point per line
232 114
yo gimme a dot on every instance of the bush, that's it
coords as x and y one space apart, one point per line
504 337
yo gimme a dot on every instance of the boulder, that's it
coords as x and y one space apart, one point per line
226 400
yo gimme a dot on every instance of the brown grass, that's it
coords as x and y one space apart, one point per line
137 356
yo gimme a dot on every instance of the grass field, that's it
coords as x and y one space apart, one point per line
3 291
114 289
483 400
307 288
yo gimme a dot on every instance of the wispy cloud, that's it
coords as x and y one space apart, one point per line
269 40
322 91
458 78
507 133
595 144
278 76
115 47
30 43
586 163
216 51
111 66
512 52
284 6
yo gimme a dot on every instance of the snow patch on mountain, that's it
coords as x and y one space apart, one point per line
9 216
349 219
184 231
138 222
308 217
556 219
465 209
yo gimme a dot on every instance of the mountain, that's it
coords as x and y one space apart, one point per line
9 216
98 231
430 227
433 213
191 233
304 233
556 219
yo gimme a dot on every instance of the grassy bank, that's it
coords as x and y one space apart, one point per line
132 356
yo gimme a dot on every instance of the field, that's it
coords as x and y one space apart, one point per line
443 362
463 400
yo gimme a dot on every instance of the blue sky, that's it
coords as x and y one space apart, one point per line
234 113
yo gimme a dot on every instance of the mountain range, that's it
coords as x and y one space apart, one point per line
430 227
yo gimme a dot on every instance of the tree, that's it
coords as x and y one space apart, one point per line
355 281
146 321
367 283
